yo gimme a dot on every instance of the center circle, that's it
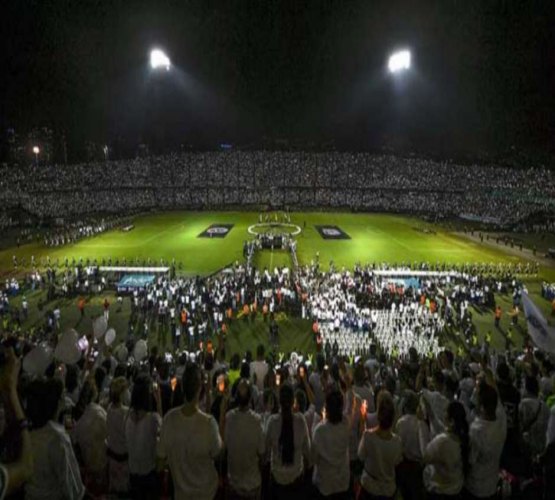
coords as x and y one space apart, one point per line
292 229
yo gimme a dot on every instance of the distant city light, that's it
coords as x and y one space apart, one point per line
36 150
399 61
159 60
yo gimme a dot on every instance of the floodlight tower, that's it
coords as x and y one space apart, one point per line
399 61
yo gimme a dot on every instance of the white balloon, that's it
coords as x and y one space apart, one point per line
110 336
69 337
67 353
100 325
121 353
37 361
141 350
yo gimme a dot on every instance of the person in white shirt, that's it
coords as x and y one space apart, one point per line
446 455
330 450
381 451
190 442
244 442
287 441
437 403
55 469
533 417
117 413
408 428
487 436
142 428
90 435
259 368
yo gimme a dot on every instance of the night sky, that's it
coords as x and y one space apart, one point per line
309 71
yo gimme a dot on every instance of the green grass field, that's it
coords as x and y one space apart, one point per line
174 235
374 238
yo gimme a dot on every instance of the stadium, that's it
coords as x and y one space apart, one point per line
295 313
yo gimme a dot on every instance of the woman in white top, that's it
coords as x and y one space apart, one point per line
116 446
142 429
288 441
90 435
330 450
55 469
381 451
446 456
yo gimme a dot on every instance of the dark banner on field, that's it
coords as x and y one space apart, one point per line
216 231
332 233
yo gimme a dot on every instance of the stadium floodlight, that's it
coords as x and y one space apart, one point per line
36 150
158 59
399 61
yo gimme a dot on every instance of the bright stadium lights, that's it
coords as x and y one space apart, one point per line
399 61
159 60
36 150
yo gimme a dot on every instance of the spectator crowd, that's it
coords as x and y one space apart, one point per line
392 414
354 181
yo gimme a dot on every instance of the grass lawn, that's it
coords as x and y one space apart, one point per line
174 235
374 237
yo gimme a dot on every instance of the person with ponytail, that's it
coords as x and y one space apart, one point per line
446 457
287 440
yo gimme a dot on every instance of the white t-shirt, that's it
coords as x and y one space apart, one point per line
330 456
55 469
533 419
408 428
190 444
486 444
380 457
142 441
260 369
90 434
244 440
444 473
286 474
438 404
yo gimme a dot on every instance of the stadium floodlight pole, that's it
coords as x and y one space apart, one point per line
399 61
158 60
36 150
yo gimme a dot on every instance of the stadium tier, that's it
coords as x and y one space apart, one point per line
354 181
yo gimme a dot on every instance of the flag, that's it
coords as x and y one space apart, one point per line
541 332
